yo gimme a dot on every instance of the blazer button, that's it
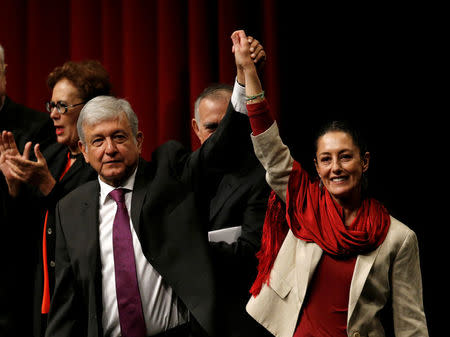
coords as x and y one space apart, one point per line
49 231
356 334
52 264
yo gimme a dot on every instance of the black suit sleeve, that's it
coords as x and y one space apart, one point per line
240 257
65 301
250 216
229 144
221 150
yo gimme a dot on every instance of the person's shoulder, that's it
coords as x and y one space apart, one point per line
170 146
80 195
170 151
399 233
21 110
399 227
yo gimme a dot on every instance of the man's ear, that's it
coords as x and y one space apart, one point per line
195 126
140 140
83 150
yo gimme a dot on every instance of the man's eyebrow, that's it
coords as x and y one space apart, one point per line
212 125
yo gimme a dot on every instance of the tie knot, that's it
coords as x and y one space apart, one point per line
118 195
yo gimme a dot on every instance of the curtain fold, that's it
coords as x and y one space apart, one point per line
380 66
160 53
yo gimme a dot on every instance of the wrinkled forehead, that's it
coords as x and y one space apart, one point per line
213 108
107 126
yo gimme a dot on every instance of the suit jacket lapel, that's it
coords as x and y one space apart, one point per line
228 185
307 258
139 192
308 255
56 156
89 219
91 246
362 268
77 165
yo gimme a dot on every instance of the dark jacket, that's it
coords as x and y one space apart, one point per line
240 199
21 292
166 211
27 124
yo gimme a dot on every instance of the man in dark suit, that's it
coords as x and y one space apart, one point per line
173 289
238 201
26 124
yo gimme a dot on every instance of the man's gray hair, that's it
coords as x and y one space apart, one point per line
103 108
214 91
2 55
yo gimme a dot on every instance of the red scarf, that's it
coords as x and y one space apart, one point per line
313 216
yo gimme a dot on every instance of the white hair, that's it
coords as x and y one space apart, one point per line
102 108
215 92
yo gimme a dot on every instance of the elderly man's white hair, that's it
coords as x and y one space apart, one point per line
215 91
102 108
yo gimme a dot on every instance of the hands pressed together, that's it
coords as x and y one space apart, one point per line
247 50
18 168
248 53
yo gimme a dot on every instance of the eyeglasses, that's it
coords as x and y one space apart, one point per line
60 106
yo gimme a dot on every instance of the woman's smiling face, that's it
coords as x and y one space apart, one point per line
340 165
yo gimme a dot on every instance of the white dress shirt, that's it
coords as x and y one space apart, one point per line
161 307
238 98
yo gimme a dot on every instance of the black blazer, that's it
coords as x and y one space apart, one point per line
240 200
21 291
27 124
166 210
78 174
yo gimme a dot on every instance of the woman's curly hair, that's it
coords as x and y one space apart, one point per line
89 77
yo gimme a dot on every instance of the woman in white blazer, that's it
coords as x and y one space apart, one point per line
331 258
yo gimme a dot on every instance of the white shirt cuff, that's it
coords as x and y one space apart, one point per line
238 98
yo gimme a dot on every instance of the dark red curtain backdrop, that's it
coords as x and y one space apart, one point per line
160 54
377 65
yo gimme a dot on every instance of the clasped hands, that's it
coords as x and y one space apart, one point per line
254 53
19 168
248 51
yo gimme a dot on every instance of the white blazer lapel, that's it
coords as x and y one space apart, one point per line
307 257
363 266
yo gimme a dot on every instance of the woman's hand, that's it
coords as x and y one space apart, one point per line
8 148
33 172
241 50
245 63
258 55
19 168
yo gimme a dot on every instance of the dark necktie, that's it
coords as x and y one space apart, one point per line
131 317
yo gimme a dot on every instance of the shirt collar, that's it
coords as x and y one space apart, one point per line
105 189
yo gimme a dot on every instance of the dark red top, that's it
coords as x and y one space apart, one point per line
325 308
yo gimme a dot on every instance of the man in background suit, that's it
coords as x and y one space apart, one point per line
175 282
26 124
240 199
